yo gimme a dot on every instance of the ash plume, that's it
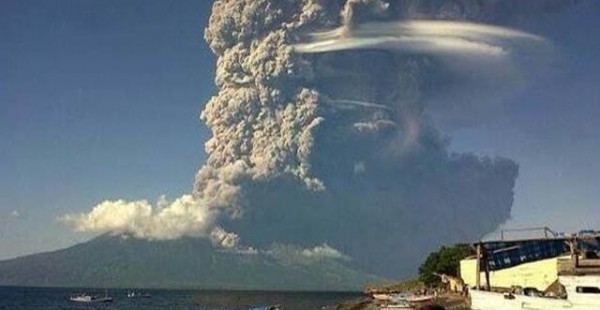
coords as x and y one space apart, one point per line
321 135
336 146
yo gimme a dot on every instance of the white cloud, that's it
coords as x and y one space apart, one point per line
15 214
185 216
324 251
420 36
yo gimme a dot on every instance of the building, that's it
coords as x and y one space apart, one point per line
527 262
539 274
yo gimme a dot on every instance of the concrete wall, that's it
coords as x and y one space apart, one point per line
539 274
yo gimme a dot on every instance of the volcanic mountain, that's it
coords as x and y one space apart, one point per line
127 262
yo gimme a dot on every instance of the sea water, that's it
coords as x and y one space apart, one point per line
28 298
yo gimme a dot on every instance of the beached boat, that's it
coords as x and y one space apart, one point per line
382 297
403 301
275 307
396 306
400 297
415 299
576 270
582 293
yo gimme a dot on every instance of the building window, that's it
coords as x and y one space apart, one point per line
588 290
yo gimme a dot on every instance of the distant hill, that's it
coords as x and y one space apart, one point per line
120 261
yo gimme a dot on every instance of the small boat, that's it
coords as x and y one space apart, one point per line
399 297
85 298
382 297
420 298
275 307
82 298
134 294
396 306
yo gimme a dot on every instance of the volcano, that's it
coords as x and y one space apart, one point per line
121 261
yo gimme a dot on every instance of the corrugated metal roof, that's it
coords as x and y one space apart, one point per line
504 254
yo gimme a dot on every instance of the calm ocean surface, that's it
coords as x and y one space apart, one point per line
20 298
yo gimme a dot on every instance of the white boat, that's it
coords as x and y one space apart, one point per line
134 294
420 298
392 301
85 298
382 297
400 298
275 307
577 285
583 293
81 298
395 307
402 301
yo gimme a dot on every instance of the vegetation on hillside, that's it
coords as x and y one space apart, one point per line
445 260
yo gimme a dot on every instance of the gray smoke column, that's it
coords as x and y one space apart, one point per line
335 147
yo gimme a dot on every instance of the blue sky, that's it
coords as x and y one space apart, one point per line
552 130
100 100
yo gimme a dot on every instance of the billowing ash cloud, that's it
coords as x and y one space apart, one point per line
321 135
220 237
335 145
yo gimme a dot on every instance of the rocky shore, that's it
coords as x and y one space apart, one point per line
447 301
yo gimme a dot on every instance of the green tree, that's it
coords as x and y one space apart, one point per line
445 260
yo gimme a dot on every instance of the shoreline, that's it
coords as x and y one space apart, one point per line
448 301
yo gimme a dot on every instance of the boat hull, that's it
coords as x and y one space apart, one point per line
484 300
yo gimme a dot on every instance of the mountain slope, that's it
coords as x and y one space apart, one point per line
120 261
